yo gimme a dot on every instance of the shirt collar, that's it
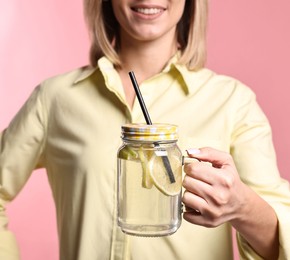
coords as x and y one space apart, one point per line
103 64
86 72
192 79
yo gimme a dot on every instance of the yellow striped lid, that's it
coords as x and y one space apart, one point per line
155 132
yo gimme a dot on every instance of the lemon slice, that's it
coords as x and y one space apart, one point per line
160 176
144 156
127 153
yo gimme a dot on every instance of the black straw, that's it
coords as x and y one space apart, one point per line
149 122
140 98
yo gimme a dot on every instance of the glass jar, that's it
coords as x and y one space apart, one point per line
149 180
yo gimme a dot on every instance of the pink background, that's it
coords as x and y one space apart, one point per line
249 40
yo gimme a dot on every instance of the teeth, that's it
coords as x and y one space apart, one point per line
148 10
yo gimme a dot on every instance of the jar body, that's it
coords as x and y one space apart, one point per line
149 202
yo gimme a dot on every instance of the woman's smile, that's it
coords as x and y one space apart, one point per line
148 20
148 12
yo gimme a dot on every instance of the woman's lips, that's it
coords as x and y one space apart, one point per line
148 12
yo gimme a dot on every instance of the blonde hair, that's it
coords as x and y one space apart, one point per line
191 32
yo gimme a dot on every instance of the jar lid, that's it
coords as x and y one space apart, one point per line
155 132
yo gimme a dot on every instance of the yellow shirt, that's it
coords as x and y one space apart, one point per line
71 126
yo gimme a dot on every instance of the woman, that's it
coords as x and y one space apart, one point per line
71 125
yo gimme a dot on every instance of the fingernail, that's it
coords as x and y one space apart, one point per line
193 151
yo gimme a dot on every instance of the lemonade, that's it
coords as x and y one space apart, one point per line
149 203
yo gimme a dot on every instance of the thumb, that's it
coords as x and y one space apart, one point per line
217 158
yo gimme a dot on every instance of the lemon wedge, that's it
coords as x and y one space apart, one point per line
127 153
144 156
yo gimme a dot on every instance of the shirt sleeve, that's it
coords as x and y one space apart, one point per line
21 146
255 158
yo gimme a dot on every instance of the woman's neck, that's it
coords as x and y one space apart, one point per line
146 59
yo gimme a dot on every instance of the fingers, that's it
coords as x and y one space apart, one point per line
193 203
197 187
201 171
217 158
198 212
210 187
221 171
192 211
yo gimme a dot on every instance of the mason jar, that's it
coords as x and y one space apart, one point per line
149 180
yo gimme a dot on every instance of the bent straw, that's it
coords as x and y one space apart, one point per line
149 122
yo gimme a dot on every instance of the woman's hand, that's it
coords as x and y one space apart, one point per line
214 194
